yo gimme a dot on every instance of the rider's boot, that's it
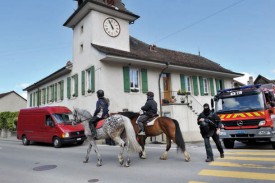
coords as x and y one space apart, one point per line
141 127
93 131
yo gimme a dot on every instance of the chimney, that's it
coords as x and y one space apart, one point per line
153 47
250 81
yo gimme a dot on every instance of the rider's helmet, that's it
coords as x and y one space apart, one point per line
150 94
100 93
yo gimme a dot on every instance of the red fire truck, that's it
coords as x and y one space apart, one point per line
247 114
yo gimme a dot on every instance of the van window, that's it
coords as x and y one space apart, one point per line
63 118
49 121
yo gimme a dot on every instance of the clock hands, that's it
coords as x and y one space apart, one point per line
111 24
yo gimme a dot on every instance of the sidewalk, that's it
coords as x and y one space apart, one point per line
11 138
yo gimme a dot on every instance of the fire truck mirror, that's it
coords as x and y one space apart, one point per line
212 103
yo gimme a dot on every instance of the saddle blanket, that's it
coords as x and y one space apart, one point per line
150 123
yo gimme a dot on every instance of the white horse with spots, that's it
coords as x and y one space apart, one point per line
116 127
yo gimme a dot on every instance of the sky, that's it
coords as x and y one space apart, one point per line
237 34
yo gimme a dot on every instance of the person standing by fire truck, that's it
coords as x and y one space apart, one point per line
210 125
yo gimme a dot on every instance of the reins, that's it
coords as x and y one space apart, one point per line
81 120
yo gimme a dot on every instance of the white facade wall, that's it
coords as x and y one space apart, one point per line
12 102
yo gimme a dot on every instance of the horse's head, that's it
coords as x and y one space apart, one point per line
76 117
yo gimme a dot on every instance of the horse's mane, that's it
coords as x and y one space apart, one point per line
129 114
83 112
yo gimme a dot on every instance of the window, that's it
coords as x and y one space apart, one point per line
134 80
205 86
58 91
74 85
81 48
51 93
188 84
88 81
43 96
81 29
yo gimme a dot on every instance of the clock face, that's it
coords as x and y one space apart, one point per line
111 27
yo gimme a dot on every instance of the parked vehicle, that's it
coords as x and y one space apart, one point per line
247 114
49 125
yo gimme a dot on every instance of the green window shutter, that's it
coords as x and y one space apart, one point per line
62 90
39 97
83 82
47 99
182 83
30 100
126 78
52 97
212 86
76 85
55 92
68 87
93 79
222 81
217 84
195 84
144 80
201 86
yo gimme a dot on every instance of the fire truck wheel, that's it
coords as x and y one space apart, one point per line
228 143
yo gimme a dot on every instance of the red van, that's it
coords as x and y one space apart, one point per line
49 125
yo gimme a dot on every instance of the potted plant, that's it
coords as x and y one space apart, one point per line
182 100
173 99
180 92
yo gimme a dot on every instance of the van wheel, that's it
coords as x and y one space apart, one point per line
25 141
57 142
273 145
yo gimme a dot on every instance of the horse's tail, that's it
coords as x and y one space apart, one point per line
178 136
131 135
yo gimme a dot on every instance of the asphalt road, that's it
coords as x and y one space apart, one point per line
41 163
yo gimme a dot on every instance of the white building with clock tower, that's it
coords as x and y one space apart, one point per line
106 57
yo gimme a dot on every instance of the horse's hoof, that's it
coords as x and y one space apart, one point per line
85 161
126 165
121 162
187 159
162 158
99 163
140 154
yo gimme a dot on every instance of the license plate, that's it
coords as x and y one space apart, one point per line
241 132
78 139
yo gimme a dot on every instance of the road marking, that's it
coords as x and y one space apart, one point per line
248 158
229 164
261 153
237 174
196 182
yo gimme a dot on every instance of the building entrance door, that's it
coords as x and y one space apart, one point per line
167 86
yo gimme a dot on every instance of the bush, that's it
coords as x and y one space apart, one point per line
7 120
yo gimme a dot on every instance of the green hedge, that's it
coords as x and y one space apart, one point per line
8 120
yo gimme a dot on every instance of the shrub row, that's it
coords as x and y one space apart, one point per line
8 120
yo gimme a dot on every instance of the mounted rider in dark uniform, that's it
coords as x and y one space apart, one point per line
101 111
150 109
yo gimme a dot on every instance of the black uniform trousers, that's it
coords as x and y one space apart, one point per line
208 147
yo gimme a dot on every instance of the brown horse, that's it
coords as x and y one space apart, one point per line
161 125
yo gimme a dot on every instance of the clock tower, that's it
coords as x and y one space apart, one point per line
100 22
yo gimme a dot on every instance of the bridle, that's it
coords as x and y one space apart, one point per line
77 120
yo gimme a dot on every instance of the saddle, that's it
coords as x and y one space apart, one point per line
151 120
99 124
